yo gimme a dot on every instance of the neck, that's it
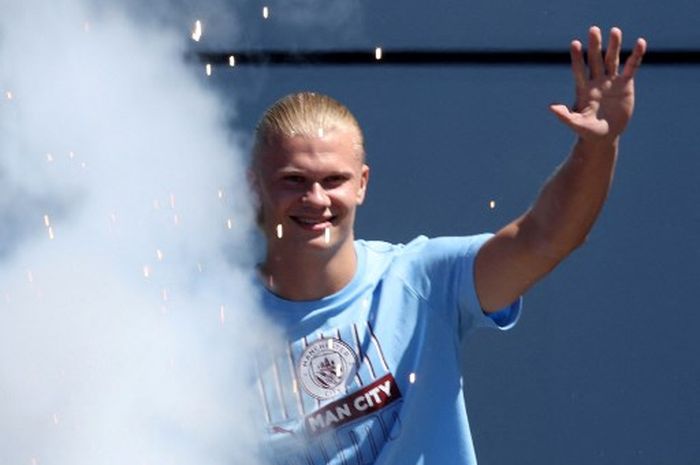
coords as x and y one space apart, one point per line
301 275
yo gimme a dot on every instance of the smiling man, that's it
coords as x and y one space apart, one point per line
370 372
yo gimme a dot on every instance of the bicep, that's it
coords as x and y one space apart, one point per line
511 262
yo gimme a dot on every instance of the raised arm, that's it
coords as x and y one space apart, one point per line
560 219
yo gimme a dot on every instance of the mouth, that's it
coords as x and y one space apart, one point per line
313 224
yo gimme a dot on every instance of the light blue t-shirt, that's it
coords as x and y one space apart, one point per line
371 374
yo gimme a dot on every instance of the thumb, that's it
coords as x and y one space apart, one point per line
566 116
561 112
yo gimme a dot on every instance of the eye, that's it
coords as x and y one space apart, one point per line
333 181
294 179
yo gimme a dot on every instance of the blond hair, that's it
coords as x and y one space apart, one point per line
307 114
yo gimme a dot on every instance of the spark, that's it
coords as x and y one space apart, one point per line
327 235
49 157
279 231
229 223
30 276
200 268
47 222
159 255
71 155
55 419
295 387
8 95
266 12
146 271
197 31
164 295
492 204
83 165
232 61
220 193
51 235
378 53
176 219
208 69
172 201
222 315
412 378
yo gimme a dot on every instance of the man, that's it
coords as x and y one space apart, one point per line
370 373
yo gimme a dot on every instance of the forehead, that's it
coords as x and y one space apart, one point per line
332 151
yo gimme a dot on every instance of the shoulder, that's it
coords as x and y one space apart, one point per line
423 254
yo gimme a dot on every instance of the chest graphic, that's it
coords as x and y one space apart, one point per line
331 396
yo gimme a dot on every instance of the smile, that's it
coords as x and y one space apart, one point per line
313 224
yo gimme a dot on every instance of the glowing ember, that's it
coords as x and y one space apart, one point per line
208 69
47 222
279 231
197 31
146 271
229 223
327 235
222 315
51 236
159 255
412 378
295 386
492 204
49 157
378 53
266 12
232 61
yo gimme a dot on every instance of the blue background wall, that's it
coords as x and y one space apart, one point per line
603 367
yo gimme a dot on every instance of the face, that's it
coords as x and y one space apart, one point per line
309 189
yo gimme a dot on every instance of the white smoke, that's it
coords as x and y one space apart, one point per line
127 320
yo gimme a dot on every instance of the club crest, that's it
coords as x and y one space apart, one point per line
325 366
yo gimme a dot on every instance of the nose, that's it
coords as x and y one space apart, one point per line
316 196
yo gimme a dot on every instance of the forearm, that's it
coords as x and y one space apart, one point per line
571 200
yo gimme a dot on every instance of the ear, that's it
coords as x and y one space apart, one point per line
364 179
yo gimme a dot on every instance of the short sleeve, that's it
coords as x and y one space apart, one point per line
471 314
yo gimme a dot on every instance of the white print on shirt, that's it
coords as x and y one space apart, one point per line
330 397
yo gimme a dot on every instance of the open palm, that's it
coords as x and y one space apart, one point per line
604 97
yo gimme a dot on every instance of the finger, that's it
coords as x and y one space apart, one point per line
565 116
635 59
578 65
595 57
612 54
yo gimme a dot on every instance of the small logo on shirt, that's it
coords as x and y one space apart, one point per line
325 366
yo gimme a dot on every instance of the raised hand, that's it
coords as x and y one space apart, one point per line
604 97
